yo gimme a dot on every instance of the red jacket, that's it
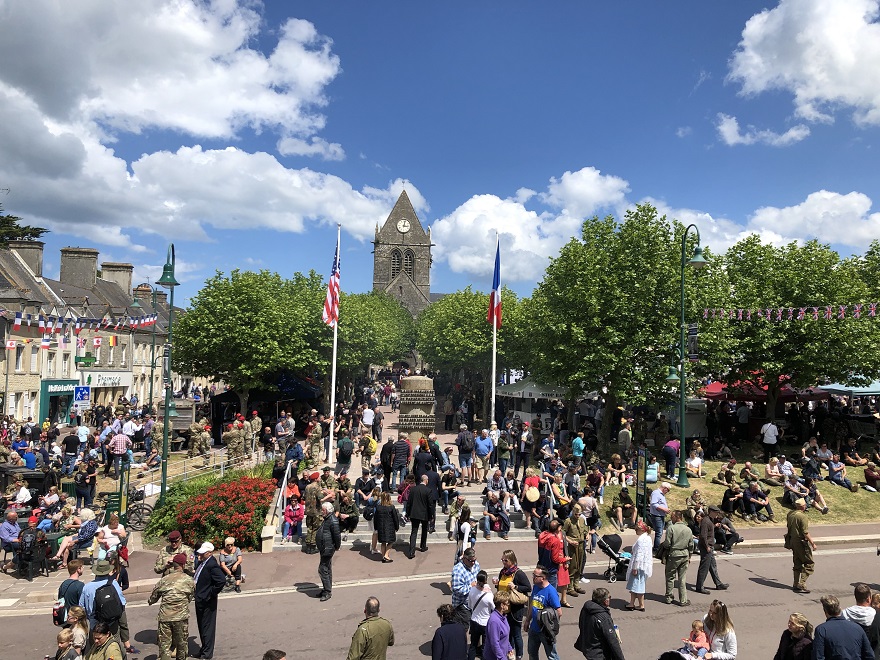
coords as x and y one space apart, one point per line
550 552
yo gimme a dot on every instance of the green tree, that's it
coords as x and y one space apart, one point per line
12 230
248 326
607 313
453 335
773 353
374 328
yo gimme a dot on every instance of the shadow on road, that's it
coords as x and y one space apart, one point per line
770 583
443 587
304 587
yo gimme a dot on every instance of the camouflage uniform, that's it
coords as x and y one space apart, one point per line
366 457
234 446
166 553
344 485
195 432
313 511
316 449
157 432
256 429
4 453
204 446
176 591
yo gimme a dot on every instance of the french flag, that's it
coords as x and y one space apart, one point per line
17 324
494 314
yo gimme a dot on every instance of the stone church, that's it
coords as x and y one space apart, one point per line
402 258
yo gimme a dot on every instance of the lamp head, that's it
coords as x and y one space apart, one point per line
698 260
135 304
171 410
672 377
167 280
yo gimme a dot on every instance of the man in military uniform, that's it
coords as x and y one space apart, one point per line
244 429
204 446
313 499
256 427
176 590
314 441
234 445
156 433
801 545
679 539
366 449
195 433
175 547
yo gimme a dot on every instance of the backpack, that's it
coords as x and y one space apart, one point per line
466 444
108 607
26 543
347 448
372 445
370 510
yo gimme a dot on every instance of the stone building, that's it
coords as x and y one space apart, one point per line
402 257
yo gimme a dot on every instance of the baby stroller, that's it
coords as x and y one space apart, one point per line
618 561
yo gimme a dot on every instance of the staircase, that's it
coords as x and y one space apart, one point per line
362 536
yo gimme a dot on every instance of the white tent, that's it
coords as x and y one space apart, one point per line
852 390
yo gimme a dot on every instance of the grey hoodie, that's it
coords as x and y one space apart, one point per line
860 614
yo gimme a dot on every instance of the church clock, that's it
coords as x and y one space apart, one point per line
403 226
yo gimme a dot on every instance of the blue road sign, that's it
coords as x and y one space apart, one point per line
82 394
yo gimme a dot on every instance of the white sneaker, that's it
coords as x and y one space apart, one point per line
585 580
601 499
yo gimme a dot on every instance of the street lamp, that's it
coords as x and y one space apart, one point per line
697 261
167 280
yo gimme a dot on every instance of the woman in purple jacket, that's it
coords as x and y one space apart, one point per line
497 645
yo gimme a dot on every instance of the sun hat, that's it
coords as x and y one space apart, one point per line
102 567
532 494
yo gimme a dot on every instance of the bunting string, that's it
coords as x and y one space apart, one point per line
779 314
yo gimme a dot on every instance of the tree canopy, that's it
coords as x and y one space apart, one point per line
373 329
11 229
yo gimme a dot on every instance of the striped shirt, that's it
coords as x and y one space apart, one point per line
462 578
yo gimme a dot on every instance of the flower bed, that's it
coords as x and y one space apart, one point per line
233 508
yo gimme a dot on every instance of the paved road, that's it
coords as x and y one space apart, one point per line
759 600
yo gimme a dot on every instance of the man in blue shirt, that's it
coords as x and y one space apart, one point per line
838 638
658 512
9 532
464 574
102 570
30 460
483 447
543 596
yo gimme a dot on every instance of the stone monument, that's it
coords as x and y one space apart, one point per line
417 402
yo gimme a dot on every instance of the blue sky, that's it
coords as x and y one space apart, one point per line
244 131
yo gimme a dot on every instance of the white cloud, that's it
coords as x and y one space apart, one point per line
683 131
828 216
466 237
730 133
291 146
826 54
582 192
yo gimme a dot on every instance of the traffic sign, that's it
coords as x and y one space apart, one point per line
82 394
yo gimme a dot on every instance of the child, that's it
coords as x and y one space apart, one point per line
293 517
697 644
65 646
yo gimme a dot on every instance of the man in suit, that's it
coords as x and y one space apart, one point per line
210 580
418 509
328 540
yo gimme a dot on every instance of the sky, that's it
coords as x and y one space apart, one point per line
243 132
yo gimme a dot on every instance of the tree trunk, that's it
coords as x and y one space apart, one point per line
605 430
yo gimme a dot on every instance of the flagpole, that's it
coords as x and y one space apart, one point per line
494 345
333 372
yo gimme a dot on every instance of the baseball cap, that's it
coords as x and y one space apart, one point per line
205 547
33 519
666 485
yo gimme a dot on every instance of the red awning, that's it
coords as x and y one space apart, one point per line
741 391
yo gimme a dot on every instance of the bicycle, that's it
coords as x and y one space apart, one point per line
138 513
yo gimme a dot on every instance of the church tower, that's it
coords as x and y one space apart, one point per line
402 257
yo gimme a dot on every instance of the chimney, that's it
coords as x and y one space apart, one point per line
162 299
79 267
118 273
32 254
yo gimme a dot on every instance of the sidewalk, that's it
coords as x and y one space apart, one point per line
292 569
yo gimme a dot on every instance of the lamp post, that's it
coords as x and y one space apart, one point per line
697 261
167 280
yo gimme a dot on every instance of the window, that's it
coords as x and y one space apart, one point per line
65 365
110 359
19 355
97 350
50 364
395 263
35 359
122 355
408 260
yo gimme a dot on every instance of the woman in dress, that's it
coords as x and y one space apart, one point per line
386 522
640 568
797 640
719 633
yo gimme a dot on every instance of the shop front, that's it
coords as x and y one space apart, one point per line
107 386
56 397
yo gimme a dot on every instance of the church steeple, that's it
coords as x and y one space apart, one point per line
402 257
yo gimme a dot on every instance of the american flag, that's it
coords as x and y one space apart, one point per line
331 304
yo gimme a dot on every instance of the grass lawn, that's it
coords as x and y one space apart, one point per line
844 506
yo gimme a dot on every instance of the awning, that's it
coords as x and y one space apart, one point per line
740 391
851 390
529 389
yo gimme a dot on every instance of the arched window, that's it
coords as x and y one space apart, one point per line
408 261
395 263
